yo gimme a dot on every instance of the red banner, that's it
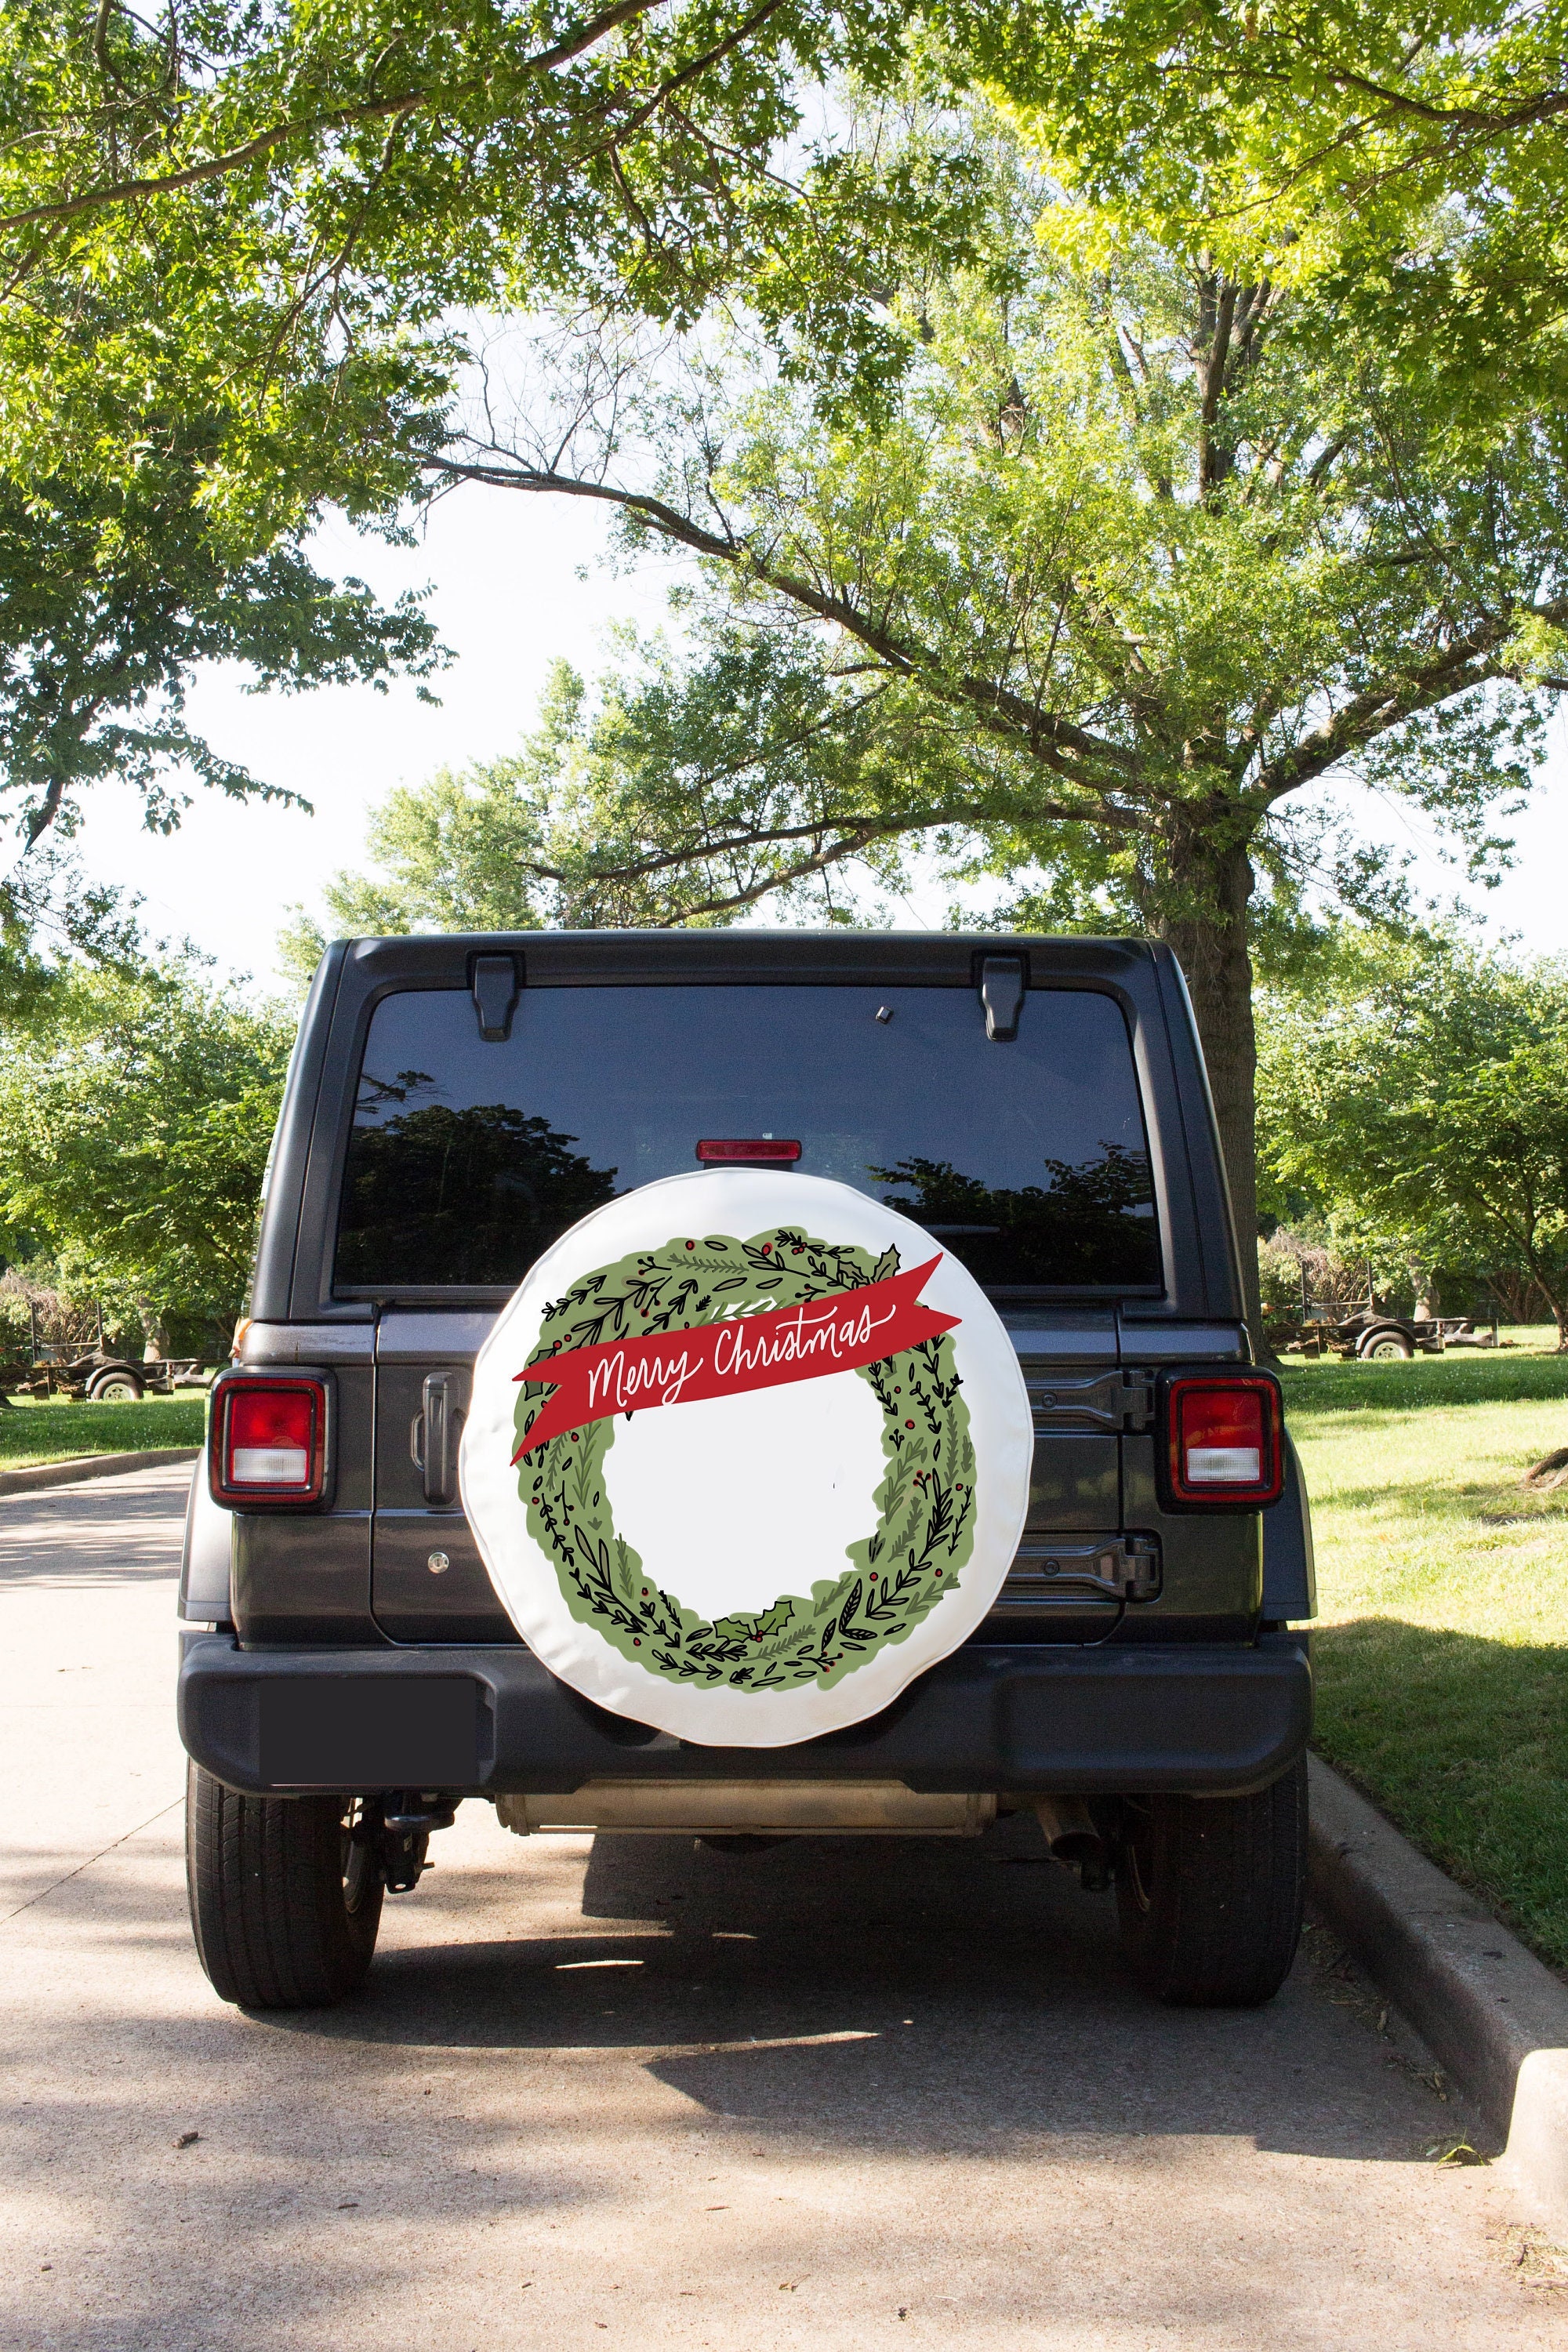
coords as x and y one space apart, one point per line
836 1333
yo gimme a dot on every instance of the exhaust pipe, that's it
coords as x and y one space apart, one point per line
1072 1839
749 1808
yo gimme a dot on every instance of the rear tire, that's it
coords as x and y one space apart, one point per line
1210 1892
285 1899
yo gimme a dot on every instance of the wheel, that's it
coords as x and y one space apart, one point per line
285 1893
1210 1890
1388 1348
115 1388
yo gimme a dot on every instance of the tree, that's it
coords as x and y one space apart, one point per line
576 828
303 199
241 251
1429 150
1424 1099
135 1121
110 595
1132 556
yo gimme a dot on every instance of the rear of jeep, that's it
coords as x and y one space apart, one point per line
1040 1108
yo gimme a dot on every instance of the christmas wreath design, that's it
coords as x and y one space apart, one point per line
896 1573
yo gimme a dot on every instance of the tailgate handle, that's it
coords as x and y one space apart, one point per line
433 1439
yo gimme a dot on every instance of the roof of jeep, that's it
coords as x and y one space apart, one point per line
940 958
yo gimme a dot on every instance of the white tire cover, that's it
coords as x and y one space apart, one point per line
777 1551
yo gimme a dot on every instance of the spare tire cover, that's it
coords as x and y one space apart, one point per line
746 1452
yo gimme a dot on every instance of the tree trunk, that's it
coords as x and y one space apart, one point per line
155 1329
1209 936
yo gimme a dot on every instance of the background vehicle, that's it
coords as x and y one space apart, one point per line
104 1378
66 1357
1374 1334
1040 1108
1378 1337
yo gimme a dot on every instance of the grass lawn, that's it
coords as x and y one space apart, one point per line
58 1431
1442 1642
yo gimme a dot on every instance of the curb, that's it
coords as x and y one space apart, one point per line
1487 2009
92 1465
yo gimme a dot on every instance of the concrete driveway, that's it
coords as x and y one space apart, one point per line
839 2094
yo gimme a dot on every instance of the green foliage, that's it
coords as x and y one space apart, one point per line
296 205
237 244
661 798
111 594
1424 1100
1418 161
1134 556
1137 555
135 1121
915 1555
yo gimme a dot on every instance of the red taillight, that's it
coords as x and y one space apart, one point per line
1224 1441
269 1441
748 1150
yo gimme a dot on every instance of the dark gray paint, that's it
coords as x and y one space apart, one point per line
1214 1718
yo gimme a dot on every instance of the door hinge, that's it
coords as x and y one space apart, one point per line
1003 981
1052 1573
1108 1401
1137 1400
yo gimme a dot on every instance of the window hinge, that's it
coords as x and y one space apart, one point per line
494 985
1003 980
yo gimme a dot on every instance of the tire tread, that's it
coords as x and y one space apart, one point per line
271 1925
1225 1918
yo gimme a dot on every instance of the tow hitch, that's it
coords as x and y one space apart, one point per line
408 1819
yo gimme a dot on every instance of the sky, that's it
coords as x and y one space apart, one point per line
518 581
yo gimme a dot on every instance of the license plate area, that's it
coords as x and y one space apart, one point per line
375 1731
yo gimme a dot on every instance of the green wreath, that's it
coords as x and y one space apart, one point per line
897 1574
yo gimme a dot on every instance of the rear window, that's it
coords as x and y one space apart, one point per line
1028 1160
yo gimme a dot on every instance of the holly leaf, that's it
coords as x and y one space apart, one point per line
755 1629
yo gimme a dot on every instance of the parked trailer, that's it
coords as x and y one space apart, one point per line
1370 1334
102 1378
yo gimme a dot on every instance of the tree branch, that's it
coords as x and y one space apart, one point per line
1464 662
339 119
1071 752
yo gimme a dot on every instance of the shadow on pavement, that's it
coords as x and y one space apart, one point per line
106 1531
923 1995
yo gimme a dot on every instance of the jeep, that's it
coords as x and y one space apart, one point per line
1040 1108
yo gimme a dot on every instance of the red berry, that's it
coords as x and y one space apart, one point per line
767 1249
691 1246
908 1424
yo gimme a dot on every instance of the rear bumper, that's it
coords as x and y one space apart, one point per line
1210 1720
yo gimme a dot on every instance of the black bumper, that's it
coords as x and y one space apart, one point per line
1207 1719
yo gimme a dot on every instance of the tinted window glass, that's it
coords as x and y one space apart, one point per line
1028 1160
